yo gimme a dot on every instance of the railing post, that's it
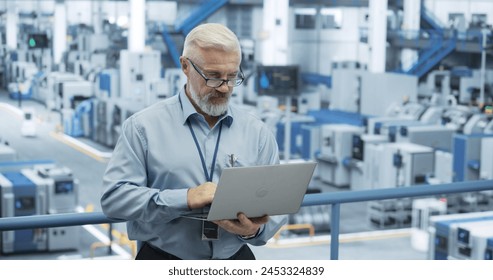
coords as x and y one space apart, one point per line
335 214
110 236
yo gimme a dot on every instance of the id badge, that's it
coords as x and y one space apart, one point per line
210 231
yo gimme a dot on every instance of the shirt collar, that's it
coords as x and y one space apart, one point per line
188 110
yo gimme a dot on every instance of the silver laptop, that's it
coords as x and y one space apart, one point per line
259 190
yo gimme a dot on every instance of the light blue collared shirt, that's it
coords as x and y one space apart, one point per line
155 162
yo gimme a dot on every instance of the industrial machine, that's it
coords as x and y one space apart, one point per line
21 75
108 84
404 164
399 165
20 196
138 71
437 137
471 240
467 155
28 127
70 93
477 124
336 148
486 167
363 160
423 209
443 231
310 134
103 122
488 252
46 89
45 189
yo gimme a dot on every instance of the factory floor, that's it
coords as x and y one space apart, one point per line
359 240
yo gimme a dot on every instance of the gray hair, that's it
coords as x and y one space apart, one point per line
210 36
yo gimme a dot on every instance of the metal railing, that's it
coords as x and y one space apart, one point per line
333 198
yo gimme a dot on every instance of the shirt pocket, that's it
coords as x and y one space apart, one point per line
237 160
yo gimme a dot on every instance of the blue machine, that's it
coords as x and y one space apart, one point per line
488 253
442 240
108 84
305 128
61 197
392 128
296 133
471 240
467 156
43 189
21 197
311 141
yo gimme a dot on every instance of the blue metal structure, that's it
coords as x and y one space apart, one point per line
333 198
205 10
430 19
315 79
429 58
440 44
170 44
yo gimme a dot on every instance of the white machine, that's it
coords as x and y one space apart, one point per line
174 79
404 164
486 167
309 100
336 147
435 136
28 127
363 162
371 165
443 168
35 191
443 231
61 197
471 240
477 124
138 71
20 196
423 209
71 93
48 87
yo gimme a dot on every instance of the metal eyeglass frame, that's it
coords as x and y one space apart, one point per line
236 81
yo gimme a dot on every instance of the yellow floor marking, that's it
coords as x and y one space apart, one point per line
343 238
60 137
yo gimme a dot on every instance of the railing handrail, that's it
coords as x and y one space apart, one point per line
334 198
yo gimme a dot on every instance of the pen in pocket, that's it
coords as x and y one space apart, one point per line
232 160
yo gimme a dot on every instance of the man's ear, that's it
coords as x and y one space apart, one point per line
184 65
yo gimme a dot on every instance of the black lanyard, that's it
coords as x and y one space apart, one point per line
208 177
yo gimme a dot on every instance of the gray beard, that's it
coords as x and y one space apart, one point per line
206 107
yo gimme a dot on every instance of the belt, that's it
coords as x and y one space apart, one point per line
149 252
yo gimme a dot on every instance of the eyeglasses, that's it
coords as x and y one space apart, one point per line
215 83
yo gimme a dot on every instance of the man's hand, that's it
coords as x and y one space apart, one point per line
201 195
243 225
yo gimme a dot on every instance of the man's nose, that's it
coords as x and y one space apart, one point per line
223 87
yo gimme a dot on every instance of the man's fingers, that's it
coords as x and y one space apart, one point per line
259 220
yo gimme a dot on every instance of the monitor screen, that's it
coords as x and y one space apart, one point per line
463 236
64 187
37 41
278 80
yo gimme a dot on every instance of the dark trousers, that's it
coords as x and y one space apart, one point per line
148 252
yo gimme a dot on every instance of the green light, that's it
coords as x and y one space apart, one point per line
32 42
